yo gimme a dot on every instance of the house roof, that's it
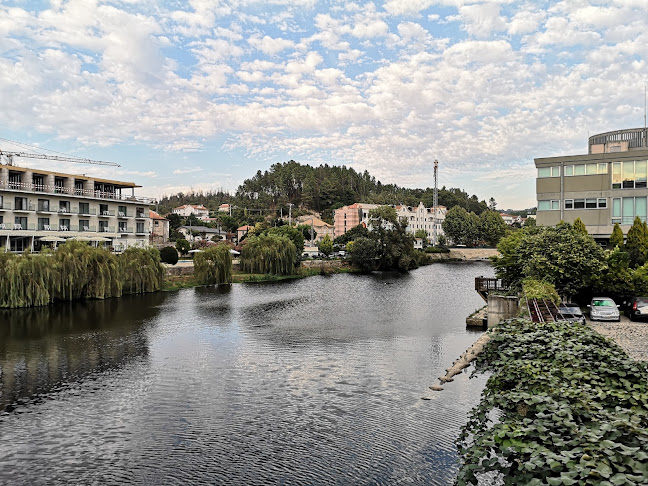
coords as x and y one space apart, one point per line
316 222
244 228
202 229
195 206
154 215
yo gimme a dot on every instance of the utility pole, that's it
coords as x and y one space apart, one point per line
290 205
435 203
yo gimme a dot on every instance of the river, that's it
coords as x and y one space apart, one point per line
312 381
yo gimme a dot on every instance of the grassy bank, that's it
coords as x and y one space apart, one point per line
563 406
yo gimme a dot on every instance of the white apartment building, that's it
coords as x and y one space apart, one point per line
422 218
417 217
38 206
186 210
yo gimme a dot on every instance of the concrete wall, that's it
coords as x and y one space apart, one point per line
501 307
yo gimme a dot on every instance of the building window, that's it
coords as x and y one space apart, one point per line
140 227
20 204
43 205
103 226
20 222
629 175
586 169
103 209
122 226
626 209
43 224
551 205
78 187
84 225
84 208
593 203
64 224
548 172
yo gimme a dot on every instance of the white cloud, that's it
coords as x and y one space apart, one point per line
270 46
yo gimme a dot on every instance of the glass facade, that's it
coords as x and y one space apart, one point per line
626 209
629 175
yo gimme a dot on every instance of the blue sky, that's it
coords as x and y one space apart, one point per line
202 94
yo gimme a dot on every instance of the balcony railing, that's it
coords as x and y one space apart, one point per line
42 188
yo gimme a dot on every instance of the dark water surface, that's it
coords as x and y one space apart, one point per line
315 381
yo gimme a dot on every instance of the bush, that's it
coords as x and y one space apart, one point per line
213 266
169 255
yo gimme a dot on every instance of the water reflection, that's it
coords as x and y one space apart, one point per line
46 348
315 381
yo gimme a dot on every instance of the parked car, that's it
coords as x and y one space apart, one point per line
572 313
636 307
604 309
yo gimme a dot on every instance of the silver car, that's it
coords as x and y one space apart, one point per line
604 309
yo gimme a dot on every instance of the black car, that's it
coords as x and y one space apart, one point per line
572 313
636 308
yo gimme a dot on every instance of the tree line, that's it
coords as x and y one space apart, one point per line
322 189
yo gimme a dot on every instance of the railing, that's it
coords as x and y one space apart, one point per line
124 230
106 213
484 286
42 188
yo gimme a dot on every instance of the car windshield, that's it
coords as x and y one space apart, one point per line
570 310
602 303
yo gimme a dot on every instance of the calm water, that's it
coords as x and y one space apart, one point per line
316 381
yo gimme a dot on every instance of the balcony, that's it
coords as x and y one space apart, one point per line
86 212
46 189
123 214
107 213
24 208
5 206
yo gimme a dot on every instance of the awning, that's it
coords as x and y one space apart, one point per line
99 238
80 238
51 238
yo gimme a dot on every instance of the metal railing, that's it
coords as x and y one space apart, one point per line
73 191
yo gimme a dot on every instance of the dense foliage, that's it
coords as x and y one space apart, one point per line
322 188
169 255
465 228
387 245
562 406
268 254
213 265
77 271
537 289
560 255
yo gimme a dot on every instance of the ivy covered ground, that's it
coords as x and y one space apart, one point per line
563 405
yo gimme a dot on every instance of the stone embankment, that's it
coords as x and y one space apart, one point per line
631 336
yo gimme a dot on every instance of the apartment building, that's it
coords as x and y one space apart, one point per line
38 207
606 186
417 217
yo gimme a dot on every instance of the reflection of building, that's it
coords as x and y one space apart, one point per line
322 228
417 217
43 348
159 228
198 210
604 187
38 206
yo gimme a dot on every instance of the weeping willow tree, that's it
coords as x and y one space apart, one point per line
141 270
213 265
26 280
271 254
86 272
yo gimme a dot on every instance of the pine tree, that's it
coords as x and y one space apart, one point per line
580 227
616 239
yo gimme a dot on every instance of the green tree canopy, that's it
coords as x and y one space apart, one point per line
637 243
616 239
461 226
183 246
580 226
326 246
294 234
268 253
558 255
491 227
363 253
213 265
355 232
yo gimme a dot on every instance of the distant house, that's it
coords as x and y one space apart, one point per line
158 228
322 228
186 210
508 219
224 208
242 231
204 233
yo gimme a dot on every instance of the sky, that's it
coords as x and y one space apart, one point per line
201 94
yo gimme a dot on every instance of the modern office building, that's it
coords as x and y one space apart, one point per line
38 207
604 187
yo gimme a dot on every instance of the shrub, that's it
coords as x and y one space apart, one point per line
169 255
213 265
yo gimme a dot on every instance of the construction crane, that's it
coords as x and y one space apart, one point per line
9 155
27 155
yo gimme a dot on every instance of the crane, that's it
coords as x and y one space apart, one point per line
28 155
